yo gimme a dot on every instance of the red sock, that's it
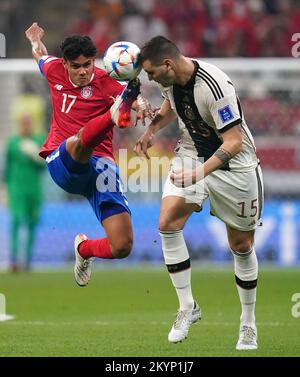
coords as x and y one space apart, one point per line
95 130
95 248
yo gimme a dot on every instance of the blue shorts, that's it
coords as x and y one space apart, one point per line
98 180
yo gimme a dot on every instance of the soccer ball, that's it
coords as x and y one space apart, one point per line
121 61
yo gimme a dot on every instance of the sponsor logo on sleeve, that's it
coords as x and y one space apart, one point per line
225 114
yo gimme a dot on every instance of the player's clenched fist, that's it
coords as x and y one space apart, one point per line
34 32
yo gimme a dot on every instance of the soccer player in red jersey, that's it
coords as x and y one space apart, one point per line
87 103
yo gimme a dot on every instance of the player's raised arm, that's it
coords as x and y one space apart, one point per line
35 34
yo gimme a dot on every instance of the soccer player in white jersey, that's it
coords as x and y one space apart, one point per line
204 101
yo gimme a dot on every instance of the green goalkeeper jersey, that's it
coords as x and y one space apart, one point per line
23 175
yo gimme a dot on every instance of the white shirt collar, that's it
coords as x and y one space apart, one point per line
76 86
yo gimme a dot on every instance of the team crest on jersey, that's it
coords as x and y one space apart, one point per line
86 92
188 112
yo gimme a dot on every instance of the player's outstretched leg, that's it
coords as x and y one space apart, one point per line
184 319
83 267
121 109
80 146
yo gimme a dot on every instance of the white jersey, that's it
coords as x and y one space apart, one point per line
206 107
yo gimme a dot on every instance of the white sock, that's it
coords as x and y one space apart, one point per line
248 309
178 264
246 270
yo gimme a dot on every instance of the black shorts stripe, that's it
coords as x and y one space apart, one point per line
213 90
213 79
177 267
250 284
260 193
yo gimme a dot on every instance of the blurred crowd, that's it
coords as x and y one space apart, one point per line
211 28
214 28
273 115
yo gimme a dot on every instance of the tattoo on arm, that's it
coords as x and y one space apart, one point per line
223 155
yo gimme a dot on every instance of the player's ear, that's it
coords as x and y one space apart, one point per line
65 63
168 63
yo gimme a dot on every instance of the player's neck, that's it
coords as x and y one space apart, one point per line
77 85
185 71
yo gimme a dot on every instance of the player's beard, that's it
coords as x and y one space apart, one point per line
166 83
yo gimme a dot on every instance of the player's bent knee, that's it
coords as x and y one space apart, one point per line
76 148
243 246
166 225
122 250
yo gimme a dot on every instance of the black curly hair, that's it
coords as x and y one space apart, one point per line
74 46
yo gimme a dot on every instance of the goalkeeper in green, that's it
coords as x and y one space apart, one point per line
22 175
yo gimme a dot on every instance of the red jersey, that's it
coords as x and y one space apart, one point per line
74 106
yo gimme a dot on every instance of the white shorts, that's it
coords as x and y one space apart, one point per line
236 198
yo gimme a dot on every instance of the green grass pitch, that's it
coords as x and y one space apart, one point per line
129 311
